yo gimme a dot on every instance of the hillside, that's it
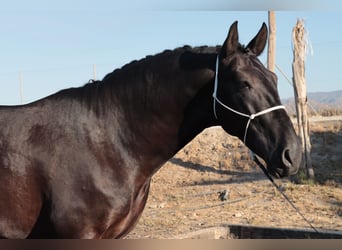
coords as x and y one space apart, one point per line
333 98
324 103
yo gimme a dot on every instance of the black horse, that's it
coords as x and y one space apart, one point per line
78 163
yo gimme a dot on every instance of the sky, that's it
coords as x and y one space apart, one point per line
45 47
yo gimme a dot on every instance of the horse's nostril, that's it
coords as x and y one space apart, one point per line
287 161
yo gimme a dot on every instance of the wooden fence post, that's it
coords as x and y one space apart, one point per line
271 41
299 83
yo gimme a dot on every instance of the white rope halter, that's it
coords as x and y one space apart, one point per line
250 117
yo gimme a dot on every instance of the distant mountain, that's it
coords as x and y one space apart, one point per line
318 101
333 98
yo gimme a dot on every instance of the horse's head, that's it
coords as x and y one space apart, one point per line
247 104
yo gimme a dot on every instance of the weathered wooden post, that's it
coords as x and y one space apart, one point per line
271 41
299 83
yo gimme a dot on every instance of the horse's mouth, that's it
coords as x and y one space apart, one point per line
275 172
278 172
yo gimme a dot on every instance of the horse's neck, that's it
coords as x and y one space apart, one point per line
161 119
198 116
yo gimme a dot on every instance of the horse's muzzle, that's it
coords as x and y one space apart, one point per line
289 163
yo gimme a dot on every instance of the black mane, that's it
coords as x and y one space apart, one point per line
186 48
205 49
95 90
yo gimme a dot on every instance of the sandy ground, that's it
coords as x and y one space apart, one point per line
184 195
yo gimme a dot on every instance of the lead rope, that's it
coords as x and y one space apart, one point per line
250 118
263 168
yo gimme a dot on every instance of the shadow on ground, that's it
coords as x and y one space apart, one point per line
236 176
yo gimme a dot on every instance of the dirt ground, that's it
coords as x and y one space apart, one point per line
184 194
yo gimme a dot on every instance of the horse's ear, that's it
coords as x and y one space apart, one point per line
231 43
258 43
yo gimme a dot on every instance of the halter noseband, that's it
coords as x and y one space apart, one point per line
250 117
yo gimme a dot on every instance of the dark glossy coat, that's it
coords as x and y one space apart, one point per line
78 163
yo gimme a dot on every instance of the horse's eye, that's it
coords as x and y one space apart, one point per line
245 85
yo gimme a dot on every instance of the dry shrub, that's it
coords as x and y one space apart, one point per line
324 126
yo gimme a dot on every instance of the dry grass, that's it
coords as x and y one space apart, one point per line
326 152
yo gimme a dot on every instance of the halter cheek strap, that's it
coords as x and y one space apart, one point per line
250 117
